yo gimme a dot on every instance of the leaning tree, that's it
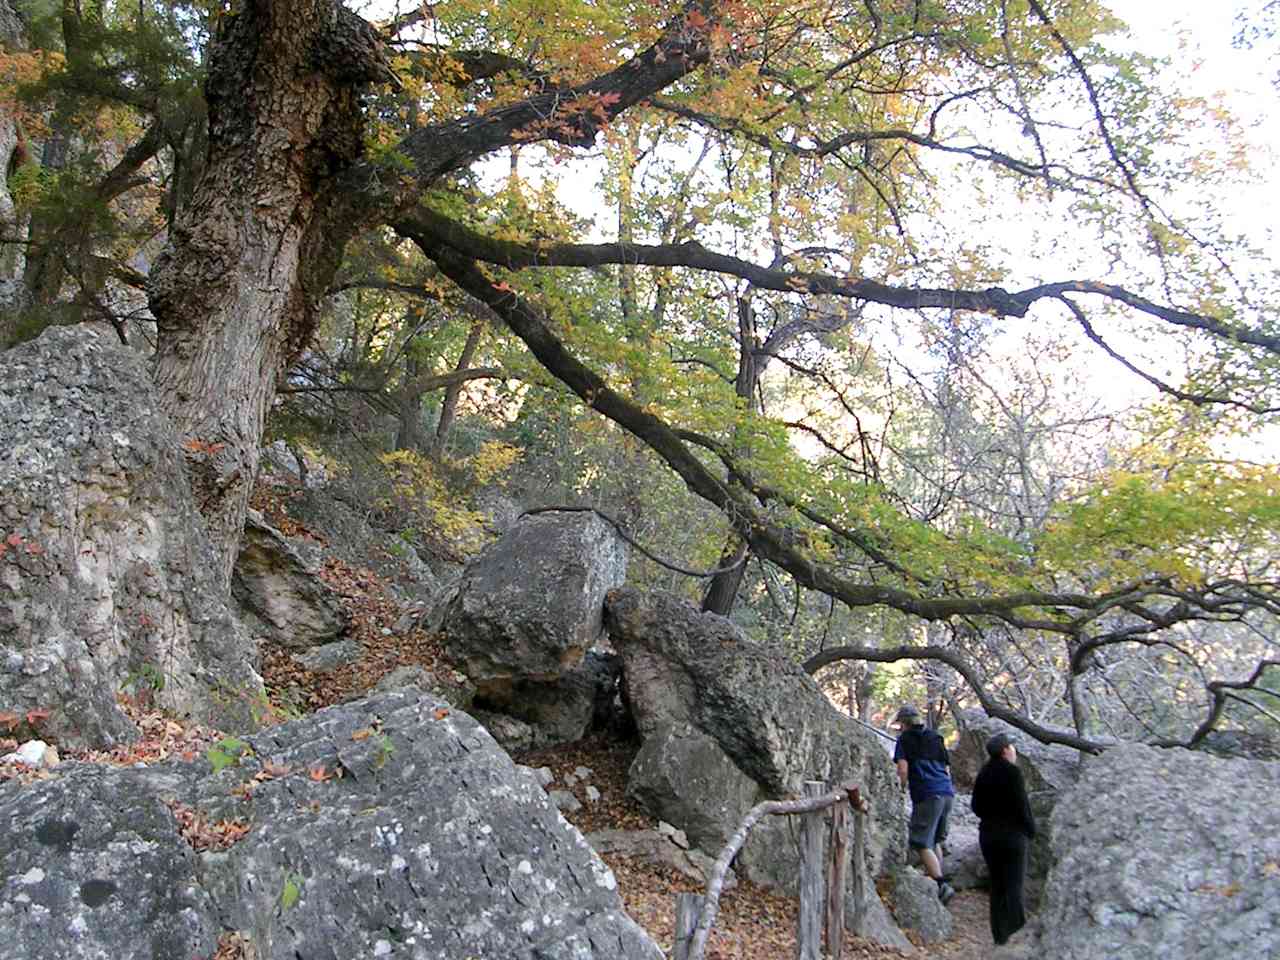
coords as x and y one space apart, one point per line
790 180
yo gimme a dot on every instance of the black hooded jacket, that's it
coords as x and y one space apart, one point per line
1000 798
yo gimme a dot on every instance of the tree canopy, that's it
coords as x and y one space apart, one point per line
860 275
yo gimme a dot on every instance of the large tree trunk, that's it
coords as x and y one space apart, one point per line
235 295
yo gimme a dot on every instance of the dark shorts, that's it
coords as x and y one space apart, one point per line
929 822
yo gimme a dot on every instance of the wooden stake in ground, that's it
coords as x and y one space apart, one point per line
688 907
715 881
812 878
839 863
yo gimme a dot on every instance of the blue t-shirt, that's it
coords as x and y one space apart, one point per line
927 763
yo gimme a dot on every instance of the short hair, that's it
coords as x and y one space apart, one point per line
996 745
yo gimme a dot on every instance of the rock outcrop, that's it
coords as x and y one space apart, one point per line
281 595
391 827
963 861
753 727
916 905
527 610
1164 853
103 565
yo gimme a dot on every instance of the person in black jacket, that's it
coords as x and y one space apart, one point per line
1000 801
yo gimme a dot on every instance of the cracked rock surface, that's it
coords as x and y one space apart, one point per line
388 827
1164 853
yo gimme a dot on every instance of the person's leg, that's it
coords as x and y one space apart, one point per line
1008 866
929 860
995 902
940 834
1016 914
923 832
995 852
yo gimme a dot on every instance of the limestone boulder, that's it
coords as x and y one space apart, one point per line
383 828
1164 853
104 569
917 907
529 607
443 683
281 596
683 776
757 726
963 861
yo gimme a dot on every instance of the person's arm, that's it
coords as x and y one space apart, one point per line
978 802
1022 804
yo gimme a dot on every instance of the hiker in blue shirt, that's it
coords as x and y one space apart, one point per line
924 766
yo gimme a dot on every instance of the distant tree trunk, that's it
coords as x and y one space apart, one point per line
409 408
235 294
453 392
722 591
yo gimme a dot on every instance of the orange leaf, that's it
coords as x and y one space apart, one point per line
9 720
35 716
320 774
364 734
440 713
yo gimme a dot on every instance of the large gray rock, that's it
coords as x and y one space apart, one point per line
917 907
692 675
103 563
1165 853
431 844
683 776
282 596
963 861
529 607
1047 769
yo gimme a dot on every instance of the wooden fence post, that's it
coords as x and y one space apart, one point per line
812 879
859 870
688 909
839 863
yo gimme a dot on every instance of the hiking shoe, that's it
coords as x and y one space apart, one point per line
946 891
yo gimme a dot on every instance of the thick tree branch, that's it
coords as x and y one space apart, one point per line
571 116
967 670
994 300
766 538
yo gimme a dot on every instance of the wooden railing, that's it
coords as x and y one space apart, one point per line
822 882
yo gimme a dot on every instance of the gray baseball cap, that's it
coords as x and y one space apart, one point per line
908 715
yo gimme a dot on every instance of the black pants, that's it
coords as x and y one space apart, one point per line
1005 851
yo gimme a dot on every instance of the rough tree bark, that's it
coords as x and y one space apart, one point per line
281 193
236 292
